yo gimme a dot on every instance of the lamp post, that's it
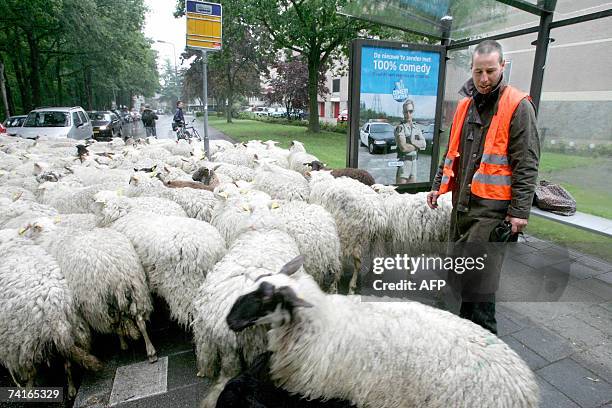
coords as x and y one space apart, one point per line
173 53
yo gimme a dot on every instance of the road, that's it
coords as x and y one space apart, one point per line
164 129
378 166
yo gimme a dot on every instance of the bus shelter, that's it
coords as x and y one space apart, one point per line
557 50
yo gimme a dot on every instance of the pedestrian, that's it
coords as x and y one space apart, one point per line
179 119
491 167
409 140
148 120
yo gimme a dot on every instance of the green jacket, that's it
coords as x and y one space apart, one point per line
523 150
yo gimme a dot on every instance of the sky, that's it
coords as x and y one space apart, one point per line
160 24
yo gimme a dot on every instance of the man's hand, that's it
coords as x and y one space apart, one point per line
432 199
518 224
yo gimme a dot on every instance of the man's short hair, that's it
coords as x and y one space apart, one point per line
487 47
406 103
177 103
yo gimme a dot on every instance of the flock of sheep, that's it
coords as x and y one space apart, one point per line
247 250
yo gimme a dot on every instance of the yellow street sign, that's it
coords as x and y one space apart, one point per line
204 25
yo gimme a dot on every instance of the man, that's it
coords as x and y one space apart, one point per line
179 119
408 139
148 120
491 167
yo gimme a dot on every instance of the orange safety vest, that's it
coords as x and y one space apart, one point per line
493 179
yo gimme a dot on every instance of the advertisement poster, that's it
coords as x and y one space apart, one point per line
398 95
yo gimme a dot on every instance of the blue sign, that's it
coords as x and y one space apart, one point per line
204 8
398 71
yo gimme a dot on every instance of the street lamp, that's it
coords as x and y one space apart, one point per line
173 53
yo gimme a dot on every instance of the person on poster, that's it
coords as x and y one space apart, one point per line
409 140
491 168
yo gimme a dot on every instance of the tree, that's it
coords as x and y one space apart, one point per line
310 28
287 85
236 68
75 52
171 84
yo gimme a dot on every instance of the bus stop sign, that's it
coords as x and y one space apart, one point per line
204 23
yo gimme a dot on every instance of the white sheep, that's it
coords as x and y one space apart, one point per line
38 314
358 212
380 354
176 252
13 214
298 158
280 183
219 351
238 155
198 204
104 275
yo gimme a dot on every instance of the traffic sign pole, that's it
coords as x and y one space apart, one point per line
205 101
204 32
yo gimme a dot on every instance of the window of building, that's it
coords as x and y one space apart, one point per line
336 85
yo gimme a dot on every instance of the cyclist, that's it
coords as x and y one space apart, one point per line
179 118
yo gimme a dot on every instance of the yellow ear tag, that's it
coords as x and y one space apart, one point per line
57 220
246 207
21 231
119 192
275 205
243 191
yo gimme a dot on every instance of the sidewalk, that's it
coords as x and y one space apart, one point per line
567 343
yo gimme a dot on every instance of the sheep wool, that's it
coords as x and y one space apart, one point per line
105 276
391 354
38 313
280 183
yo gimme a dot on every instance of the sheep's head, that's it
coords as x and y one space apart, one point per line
296 146
269 303
316 165
38 227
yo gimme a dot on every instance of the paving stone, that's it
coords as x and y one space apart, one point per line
515 316
505 325
580 334
533 360
189 396
599 317
547 344
519 249
182 370
575 294
597 359
596 286
578 269
140 380
535 260
573 380
537 243
596 264
550 397
606 277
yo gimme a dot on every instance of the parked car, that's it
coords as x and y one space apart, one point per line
343 116
378 137
106 125
277 112
60 122
13 123
262 111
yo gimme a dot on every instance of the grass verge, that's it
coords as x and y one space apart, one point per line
329 147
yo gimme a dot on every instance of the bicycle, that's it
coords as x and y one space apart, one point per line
187 133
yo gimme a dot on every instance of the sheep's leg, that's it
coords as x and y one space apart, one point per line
15 380
356 270
30 375
122 343
72 391
208 360
142 326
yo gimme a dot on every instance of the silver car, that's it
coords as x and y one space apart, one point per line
13 123
61 122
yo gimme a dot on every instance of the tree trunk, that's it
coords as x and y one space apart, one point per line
313 81
59 96
7 111
230 93
24 91
34 69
